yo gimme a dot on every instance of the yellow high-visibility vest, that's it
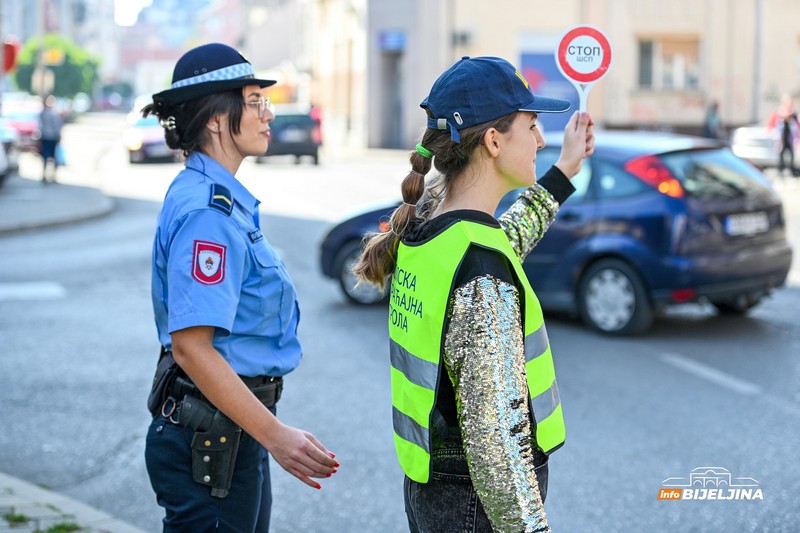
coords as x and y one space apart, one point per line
421 285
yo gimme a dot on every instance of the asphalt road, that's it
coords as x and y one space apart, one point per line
78 351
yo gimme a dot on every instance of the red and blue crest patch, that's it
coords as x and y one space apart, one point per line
208 264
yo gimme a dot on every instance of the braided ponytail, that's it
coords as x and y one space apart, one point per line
380 251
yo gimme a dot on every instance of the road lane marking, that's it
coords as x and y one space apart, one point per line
711 374
35 290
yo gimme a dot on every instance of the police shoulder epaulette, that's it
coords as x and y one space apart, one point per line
221 199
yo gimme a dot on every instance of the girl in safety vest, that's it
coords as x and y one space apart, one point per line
475 401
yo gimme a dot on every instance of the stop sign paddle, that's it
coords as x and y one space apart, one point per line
583 56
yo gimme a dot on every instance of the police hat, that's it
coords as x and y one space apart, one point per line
209 69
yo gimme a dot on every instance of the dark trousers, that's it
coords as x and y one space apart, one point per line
189 505
448 503
789 150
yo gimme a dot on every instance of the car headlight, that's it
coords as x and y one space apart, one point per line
132 140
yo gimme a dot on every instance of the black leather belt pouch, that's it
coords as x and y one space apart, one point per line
214 454
166 370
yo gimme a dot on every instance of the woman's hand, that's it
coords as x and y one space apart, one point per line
298 452
578 144
301 454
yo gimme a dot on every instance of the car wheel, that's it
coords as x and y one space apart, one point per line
738 305
316 157
612 299
363 294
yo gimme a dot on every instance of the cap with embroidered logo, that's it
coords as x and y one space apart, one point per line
208 69
479 89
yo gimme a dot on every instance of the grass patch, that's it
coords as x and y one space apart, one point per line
16 518
61 527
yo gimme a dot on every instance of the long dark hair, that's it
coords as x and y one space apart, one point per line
420 201
190 118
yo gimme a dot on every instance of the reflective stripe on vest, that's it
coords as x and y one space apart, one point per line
420 290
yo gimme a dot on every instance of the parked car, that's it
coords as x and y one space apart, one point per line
144 139
295 131
657 219
10 139
755 144
25 122
5 169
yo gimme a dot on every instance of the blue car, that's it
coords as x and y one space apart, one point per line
657 220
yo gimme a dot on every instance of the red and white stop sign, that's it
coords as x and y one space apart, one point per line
583 56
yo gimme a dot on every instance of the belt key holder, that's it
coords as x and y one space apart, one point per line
170 408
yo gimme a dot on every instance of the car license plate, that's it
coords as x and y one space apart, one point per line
747 223
159 150
294 135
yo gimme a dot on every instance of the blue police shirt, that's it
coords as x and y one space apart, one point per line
211 268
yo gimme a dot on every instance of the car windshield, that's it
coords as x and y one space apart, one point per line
150 120
293 120
714 174
21 115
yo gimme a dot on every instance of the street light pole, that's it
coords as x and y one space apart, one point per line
757 63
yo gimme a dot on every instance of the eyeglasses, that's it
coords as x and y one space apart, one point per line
263 106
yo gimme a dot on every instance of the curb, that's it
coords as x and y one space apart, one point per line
27 204
44 508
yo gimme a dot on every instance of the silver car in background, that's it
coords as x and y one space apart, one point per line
755 144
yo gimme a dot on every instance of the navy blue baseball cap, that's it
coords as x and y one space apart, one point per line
479 89
208 69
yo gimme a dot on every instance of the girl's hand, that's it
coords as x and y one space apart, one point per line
578 144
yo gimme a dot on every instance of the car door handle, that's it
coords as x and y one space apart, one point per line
569 217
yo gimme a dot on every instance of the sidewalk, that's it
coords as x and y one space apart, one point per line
25 508
28 204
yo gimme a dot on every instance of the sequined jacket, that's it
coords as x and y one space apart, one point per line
485 360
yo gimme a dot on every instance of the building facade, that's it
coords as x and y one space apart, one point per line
670 59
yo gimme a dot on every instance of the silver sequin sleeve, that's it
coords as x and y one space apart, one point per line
528 218
485 359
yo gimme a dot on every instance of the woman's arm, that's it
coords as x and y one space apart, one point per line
297 451
529 217
485 359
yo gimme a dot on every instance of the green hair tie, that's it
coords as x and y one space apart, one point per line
424 152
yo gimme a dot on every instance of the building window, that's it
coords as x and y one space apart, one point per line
669 64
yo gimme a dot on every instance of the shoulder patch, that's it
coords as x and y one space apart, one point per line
221 199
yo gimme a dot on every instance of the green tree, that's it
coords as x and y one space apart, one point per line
74 69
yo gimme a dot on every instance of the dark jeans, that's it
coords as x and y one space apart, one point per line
789 150
189 506
448 503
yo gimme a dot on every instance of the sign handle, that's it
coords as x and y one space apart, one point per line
583 93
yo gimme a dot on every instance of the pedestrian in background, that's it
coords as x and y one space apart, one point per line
712 126
784 124
485 424
50 124
225 309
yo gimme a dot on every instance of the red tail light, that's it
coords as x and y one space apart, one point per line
682 295
652 171
316 135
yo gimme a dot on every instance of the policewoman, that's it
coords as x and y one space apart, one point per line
225 309
475 401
